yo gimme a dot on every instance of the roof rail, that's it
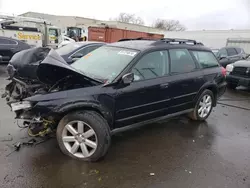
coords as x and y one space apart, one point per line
179 41
128 39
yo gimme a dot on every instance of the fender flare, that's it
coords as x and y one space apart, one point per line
210 86
104 112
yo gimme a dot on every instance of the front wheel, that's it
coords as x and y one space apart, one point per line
203 107
83 135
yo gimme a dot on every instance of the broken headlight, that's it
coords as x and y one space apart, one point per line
20 105
11 70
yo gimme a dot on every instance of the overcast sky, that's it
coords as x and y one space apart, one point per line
194 14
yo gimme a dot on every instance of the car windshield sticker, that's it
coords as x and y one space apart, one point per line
129 53
86 56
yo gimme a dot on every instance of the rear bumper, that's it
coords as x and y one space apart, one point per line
237 80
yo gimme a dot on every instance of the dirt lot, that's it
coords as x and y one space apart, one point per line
177 153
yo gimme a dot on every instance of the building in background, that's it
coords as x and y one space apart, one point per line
211 38
68 21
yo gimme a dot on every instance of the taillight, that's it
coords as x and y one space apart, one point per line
223 71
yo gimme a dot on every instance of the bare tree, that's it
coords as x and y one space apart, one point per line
169 25
129 18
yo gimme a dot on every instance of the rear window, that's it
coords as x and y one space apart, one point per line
8 42
205 59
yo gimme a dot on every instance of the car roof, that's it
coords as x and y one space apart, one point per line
142 45
83 43
232 47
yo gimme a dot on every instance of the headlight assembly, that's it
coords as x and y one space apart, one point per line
229 68
20 105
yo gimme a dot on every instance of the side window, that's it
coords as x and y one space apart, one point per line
151 65
88 49
205 59
92 48
231 52
222 52
181 61
239 50
8 42
53 32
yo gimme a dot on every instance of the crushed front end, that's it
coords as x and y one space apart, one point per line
38 122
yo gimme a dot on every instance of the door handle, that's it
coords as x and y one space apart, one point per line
163 86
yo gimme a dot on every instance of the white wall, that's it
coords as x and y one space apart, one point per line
65 21
212 38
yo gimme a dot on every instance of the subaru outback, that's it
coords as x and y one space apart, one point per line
116 87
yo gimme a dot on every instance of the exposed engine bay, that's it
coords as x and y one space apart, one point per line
39 71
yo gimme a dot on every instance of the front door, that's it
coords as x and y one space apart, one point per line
147 97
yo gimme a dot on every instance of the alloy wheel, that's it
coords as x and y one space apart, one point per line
79 139
205 106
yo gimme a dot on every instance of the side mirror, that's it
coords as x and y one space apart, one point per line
74 59
222 56
128 78
77 55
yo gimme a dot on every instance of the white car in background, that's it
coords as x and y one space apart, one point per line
65 40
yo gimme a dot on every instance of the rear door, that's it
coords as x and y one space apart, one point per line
211 69
185 81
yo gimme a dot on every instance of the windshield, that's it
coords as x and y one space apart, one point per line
105 63
68 48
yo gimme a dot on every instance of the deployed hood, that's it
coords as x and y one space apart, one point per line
54 68
44 65
242 63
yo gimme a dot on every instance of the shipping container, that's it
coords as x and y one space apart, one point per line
110 35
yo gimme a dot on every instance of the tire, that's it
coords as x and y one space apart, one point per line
195 115
231 85
82 140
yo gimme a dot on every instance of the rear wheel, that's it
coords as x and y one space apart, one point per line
83 135
203 107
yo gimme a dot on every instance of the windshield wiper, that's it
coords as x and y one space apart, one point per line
91 77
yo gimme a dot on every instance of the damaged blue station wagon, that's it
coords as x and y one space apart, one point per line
115 87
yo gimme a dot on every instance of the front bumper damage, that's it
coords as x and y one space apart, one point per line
32 118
